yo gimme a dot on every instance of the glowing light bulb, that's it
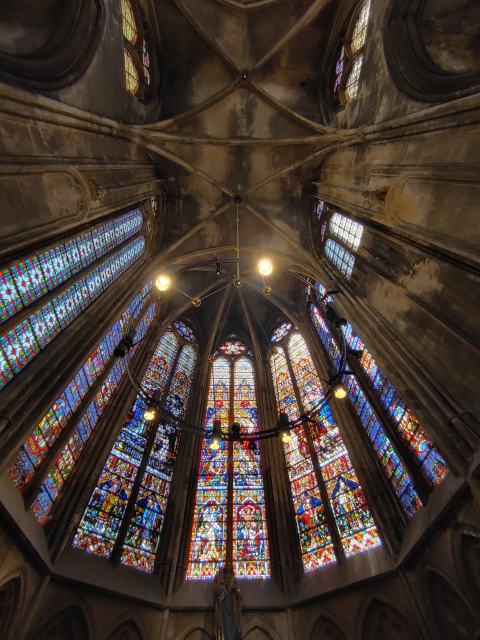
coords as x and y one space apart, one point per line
149 413
339 390
265 267
215 443
286 437
162 283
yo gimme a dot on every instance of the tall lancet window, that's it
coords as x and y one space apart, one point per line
229 520
126 510
330 506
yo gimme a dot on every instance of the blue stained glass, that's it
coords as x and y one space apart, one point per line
86 248
81 293
110 236
19 346
29 280
98 237
73 255
10 301
45 324
66 307
55 267
184 330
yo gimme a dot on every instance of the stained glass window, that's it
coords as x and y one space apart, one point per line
128 22
324 228
282 331
22 343
146 63
208 545
101 521
34 450
360 29
351 88
250 542
319 210
131 73
232 348
143 534
154 203
185 331
340 257
354 522
393 468
347 230
339 70
23 283
315 540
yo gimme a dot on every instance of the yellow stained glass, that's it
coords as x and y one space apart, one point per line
128 21
351 89
360 30
131 73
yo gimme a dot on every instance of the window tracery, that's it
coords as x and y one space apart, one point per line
340 236
141 448
335 477
136 52
231 393
340 257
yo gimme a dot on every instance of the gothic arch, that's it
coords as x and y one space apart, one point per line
193 626
256 623
467 559
126 631
450 612
384 621
68 624
326 629
10 598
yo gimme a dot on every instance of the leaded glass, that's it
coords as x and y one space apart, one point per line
35 448
29 280
128 22
360 29
208 545
324 228
22 343
354 522
398 477
339 70
103 516
432 465
184 330
281 331
319 210
131 73
250 542
54 265
347 230
315 540
351 88
233 347
146 62
176 402
340 257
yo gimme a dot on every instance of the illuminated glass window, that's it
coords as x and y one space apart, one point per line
99 527
360 29
184 330
339 69
25 282
354 523
146 63
347 230
249 534
233 347
52 424
351 88
340 257
77 441
23 342
319 209
131 73
128 22
282 331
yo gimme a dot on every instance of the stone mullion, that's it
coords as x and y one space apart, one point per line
44 467
23 403
329 515
435 405
229 523
69 510
127 516
378 491
290 552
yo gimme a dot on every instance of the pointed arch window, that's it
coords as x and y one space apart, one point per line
127 507
20 344
423 452
229 519
341 237
136 51
328 499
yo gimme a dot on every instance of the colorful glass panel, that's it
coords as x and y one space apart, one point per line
315 540
22 284
103 516
176 402
339 70
360 29
250 542
233 348
351 88
131 73
146 63
354 522
340 257
431 464
319 209
36 447
394 470
208 545
324 228
128 22
22 343
184 330
281 331
347 230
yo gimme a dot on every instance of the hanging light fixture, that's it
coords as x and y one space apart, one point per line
284 428
152 406
336 384
216 435
265 266
163 282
